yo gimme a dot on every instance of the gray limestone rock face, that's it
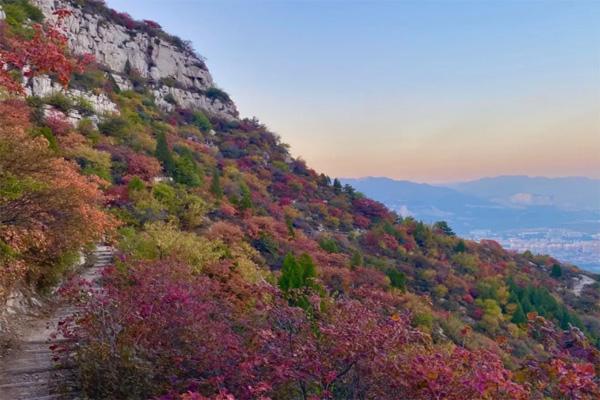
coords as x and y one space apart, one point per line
156 59
43 86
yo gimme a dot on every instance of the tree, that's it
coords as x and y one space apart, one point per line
307 266
291 274
163 153
556 271
297 273
357 259
245 202
215 185
47 208
460 247
444 228
186 171
337 186
397 278
519 316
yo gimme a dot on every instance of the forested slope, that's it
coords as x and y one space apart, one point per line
243 273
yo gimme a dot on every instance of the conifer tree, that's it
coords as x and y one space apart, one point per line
246 198
163 154
307 266
215 186
291 274
337 186
519 316
556 271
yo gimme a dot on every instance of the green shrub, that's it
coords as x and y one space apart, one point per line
94 162
202 122
18 12
60 101
329 245
88 80
47 133
214 93
186 172
114 126
87 128
136 184
84 106
397 278
165 194
169 98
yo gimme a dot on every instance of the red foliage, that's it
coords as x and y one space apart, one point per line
152 24
58 124
144 166
44 53
370 208
220 337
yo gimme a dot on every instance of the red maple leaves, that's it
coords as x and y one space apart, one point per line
44 53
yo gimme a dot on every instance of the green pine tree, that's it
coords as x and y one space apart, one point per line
245 202
519 316
357 259
215 186
397 278
163 154
290 226
291 274
556 271
460 247
186 171
337 186
309 271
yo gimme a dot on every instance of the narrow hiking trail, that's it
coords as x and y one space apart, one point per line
28 372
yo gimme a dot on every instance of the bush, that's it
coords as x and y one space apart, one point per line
186 172
60 101
88 80
397 279
329 245
114 126
47 133
201 121
84 106
215 93
169 98
18 12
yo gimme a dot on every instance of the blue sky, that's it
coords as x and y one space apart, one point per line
427 91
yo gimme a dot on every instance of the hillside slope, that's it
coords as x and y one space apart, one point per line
243 273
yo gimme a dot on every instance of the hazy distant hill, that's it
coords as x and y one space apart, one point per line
495 204
574 193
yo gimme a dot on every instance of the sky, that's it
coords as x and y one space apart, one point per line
428 91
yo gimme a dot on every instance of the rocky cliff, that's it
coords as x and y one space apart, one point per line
176 76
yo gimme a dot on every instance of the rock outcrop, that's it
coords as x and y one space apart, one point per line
176 75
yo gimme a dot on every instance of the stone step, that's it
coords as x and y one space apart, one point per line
32 383
46 397
29 372
35 370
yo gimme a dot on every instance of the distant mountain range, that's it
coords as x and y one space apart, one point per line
571 193
498 204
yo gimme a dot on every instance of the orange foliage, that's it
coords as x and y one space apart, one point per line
46 207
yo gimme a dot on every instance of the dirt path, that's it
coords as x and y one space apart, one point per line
28 372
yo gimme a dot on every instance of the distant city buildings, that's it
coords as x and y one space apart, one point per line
580 249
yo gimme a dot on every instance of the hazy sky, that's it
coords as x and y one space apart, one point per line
426 91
